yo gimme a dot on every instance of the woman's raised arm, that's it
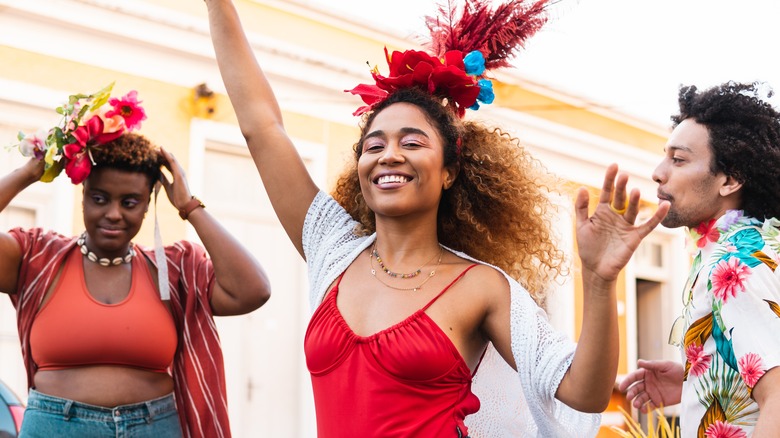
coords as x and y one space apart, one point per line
286 180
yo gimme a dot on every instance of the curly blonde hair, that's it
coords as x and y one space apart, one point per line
498 210
130 152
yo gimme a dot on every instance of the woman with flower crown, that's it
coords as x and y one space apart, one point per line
421 262
116 343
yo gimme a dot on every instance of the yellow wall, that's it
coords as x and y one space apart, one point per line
575 116
169 111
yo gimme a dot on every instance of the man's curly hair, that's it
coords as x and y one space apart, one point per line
497 210
744 135
132 153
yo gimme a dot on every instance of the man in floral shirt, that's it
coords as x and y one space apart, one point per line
720 173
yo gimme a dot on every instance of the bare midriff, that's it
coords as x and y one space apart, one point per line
102 385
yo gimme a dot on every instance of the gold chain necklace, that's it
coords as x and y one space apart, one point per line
414 289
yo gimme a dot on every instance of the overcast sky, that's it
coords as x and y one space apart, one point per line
630 55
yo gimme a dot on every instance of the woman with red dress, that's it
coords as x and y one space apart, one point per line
421 262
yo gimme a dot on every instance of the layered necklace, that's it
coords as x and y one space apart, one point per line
103 261
375 255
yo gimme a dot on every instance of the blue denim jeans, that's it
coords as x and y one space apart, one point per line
48 416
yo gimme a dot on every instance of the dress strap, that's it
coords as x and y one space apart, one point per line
446 288
335 289
476 368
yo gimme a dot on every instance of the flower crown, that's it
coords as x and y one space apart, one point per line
454 77
465 46
88 121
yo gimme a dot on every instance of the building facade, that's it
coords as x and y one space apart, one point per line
53 48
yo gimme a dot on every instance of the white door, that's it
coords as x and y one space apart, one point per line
269 390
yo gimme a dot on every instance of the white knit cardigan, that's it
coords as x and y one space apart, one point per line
513 403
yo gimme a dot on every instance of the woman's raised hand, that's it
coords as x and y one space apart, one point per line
177 190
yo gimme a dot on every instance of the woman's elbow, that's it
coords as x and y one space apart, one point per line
261 293
253 295
592 401
594 404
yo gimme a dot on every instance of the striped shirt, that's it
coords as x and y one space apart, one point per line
197 369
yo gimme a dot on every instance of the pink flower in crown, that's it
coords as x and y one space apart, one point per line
728 278
708 232
129 108
721 429
751 367
699 361
111 124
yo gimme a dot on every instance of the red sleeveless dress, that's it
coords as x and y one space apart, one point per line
408 380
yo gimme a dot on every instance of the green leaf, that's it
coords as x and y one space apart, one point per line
724 347
101 97
51 172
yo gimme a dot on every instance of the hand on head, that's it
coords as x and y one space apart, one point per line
177 190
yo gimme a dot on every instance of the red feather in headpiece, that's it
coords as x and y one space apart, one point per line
463 49
498 33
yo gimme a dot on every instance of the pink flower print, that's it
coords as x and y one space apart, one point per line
751 367
721 429
699 361
708 232
728 278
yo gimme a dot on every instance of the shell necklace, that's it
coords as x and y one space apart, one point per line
103 261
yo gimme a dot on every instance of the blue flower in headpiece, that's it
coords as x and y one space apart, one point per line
475 63
486 94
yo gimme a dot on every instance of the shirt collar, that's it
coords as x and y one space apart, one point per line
713 231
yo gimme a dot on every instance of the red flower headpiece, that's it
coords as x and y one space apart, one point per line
464 49
88 121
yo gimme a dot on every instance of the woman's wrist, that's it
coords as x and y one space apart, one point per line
594 283
190 206
32 171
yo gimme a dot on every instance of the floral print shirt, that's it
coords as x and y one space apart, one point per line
732 323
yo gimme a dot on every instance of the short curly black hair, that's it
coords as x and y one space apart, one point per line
130 152
744 134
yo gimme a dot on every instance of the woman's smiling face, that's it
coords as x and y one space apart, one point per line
401 165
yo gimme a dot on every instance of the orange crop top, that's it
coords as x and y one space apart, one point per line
73 329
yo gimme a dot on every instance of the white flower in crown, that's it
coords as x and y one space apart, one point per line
33 145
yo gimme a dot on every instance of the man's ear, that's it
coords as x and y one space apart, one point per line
730 186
